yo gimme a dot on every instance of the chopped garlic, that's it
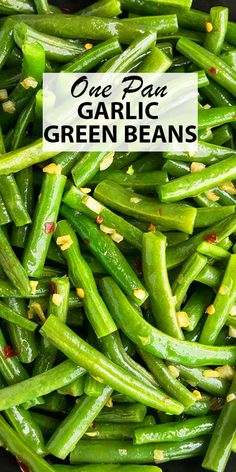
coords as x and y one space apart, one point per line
233 310
80 292
226 372
85 189
223 290
232 332
197 394
9 107
130 170
210 310
123 452
211 374
230 397
183 319
92 204
57 299
106 229
64 242
209 26
109 403
144 340
29 82
139 293
3 94
107 161
88 46
33 285
174 371
158 455
152 227
36 308
196 167
93 434
52 169
228 187
212 196
116 237
135 200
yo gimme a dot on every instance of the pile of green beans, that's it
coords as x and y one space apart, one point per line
117 286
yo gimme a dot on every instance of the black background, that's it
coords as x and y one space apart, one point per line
7 462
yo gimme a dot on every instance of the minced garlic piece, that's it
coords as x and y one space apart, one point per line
33 285
212 196
109 403
139 293
135 200
211 374
3 94
183 319
52 169
93 434
230 397
56 299
85 189
196 167
123 452
88 46
107 161
29 82
80 292
226 372
210 310
197 394
106 229
174 371
144 340
92 204
36 308
116 237
158 455
209 26
130 170
232 332
228 187
64 242
233 310
9 107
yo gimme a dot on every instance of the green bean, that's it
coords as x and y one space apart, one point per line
222 135
197 303
79 26
23 341
75 388
101 246
151 161
45 218
42 6
106 468
167 381
80 417
183 430
225 198
11 316
47 423
116 430
88 166
24 157
27 390
157 283
219 22
219 448
125 61
92 387
221 306
195 376
4 215
154 341
12 266
199 408
83 279
210 276
188 273
156 61
55 403
58 306
175 237
125 452
6 40
103 8
113 348
98 365
206 153
19 6
161 25
211 215
192 184
214 66
145 208
215 252
77 200
144 182
56 49
176 168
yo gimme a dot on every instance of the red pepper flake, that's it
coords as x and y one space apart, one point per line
49 227
213 70
52 288
86 241
94 425
152 227
22 466
211 238
138 266
8 352
99 220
